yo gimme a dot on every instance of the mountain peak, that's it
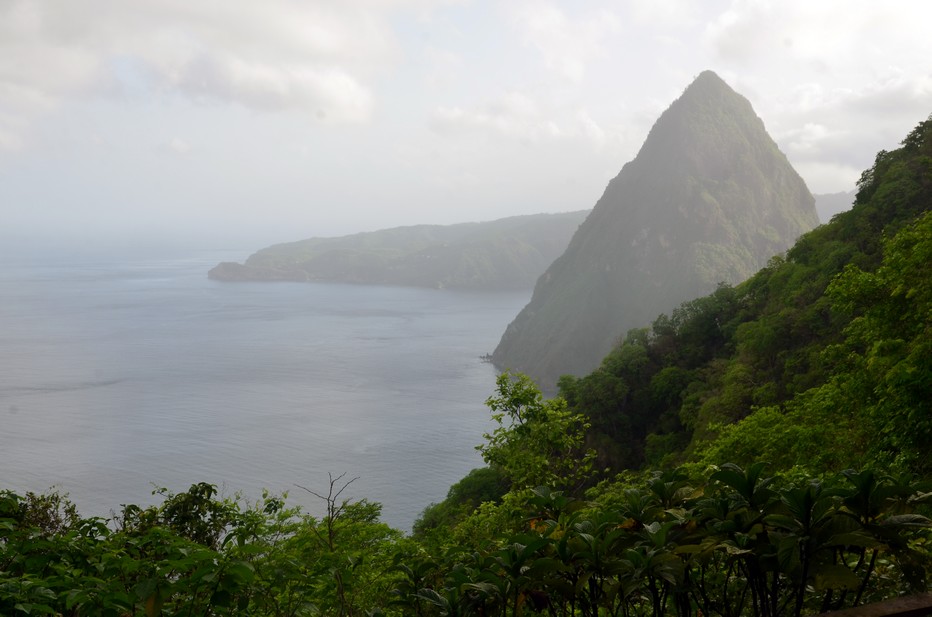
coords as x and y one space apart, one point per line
709 88
708 198
708 78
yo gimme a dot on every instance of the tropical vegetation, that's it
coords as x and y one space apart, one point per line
761 451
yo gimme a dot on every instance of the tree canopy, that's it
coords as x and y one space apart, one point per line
761 451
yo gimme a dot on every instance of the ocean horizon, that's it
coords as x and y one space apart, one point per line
123 374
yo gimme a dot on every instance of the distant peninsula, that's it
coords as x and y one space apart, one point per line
505 254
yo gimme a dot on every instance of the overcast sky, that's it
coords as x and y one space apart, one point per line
243 123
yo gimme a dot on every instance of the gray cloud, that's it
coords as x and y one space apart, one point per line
363 113
316 57
835 80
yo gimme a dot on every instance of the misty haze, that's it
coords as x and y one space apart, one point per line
473 308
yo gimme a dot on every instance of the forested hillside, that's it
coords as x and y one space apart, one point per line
508 253
761 451
819 358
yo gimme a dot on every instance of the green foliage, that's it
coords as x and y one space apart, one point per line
817 362
194 515
537 442
889 343
731 543
50 513
172 560
875 406
479 486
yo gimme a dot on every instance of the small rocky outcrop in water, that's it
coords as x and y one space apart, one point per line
708 198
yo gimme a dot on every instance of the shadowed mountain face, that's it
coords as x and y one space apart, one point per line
709 198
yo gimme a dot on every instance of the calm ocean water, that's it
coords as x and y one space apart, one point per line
117 375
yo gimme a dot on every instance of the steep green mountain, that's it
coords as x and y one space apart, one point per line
708 198
508 253
819 362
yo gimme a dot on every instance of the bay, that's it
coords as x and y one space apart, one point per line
119 375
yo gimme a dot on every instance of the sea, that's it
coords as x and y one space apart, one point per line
124 374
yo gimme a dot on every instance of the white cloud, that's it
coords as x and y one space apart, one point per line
514 115
671 13
528 104
519 116
834 80
828 177
847 125
590 127
826 41
319 57
178 145
805 140
9 138
895 93
749 29
566 43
